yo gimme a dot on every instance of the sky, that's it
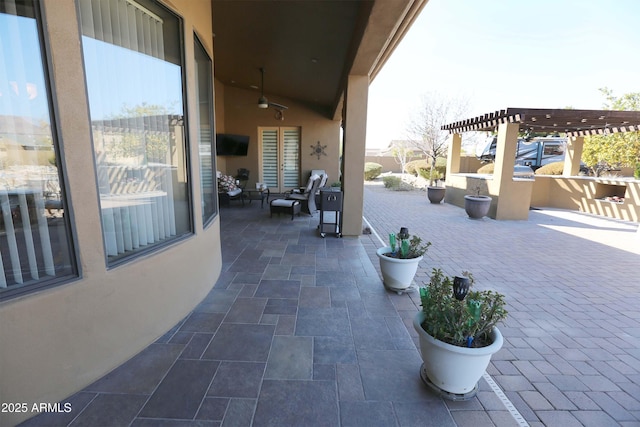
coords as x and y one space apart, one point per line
499 54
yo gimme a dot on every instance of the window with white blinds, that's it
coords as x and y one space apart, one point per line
35 244
134 75
291 157
280 150
270 157
204 100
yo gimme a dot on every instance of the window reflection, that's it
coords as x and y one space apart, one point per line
134 81
35 248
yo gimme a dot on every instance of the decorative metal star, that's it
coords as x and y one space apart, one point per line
318 150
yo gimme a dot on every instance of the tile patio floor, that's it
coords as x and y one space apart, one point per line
299 331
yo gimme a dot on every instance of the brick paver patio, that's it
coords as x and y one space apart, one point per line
299 331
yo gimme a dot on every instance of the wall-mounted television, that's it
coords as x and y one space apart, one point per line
231 145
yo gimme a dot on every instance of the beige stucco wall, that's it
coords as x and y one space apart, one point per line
57 341
584 194
244 117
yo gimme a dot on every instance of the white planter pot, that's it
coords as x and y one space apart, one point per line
450 368
397 274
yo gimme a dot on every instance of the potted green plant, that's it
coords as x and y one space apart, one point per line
477 205
457 333
399 261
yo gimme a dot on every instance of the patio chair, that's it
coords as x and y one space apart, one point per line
306 195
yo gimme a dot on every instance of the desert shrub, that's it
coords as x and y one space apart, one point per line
555 168
391 181
488 168
413 166
372 170
429 175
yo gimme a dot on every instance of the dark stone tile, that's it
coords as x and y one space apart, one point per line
248 265
334 278
246 310
181 338
471 418
286 306
110 410
241 342
239 413
371 334
197 346
149 366
349 382
392 373
237 379
213 409
297 403
202 322
278 289
324 372
286 325
170 333
155 422
423 414
304 270
322 322
248 278
366 414
295 249
54 419
180 393
314 297
290 358
334 350
218 301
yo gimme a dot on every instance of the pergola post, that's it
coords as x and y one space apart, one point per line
573 155
453 155
506 148
514 195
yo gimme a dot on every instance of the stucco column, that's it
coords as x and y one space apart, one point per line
514 195
573 155
355 125
506 147
453 153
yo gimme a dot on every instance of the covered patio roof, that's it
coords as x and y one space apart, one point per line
571 122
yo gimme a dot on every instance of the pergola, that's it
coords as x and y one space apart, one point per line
511 195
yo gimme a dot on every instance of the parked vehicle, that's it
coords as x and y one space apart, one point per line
534 153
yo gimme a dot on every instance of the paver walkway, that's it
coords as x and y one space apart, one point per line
299 331
572 281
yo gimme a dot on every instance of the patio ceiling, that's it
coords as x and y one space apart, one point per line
307 48
571 122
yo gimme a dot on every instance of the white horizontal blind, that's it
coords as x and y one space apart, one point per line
133 153
26 253
291 157
269 143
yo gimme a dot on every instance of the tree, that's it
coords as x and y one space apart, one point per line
401 153
605 152
424 130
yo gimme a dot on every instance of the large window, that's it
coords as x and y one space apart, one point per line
204 81
134 71
35 248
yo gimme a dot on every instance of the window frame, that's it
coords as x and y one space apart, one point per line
206 222
189 191
57 143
